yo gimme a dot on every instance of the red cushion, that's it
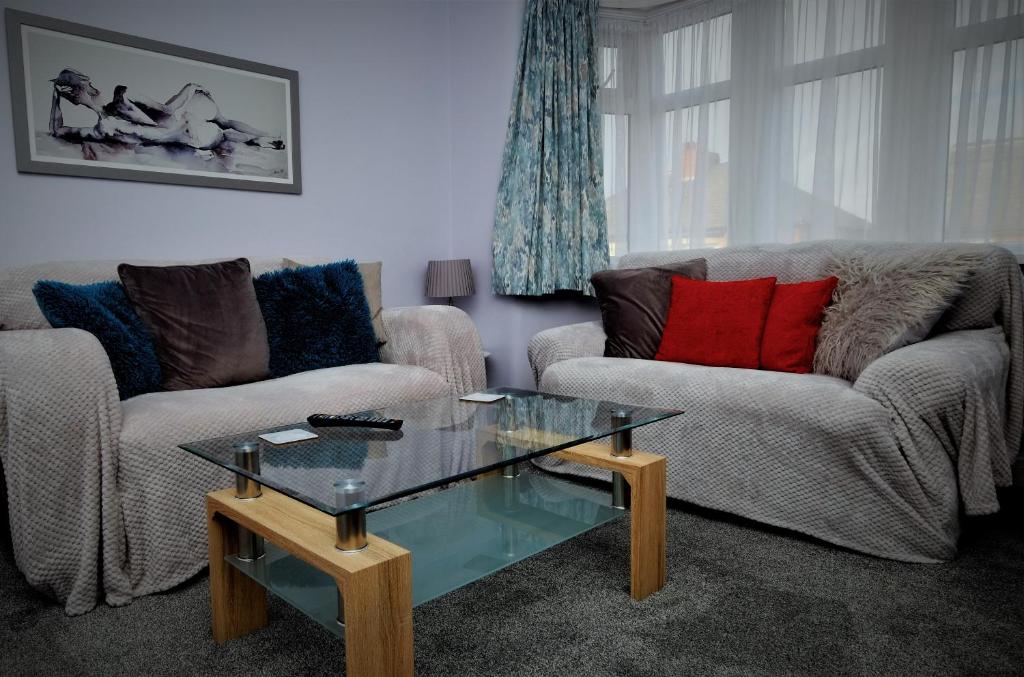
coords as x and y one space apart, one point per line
793 323
716 323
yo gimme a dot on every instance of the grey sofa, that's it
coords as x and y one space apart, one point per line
102 504
886 465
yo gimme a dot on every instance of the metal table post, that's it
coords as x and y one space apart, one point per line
622 447
247 457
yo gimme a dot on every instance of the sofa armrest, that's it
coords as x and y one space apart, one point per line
442 339
953 388
60 418
585 339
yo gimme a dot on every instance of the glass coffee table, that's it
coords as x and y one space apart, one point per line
320 522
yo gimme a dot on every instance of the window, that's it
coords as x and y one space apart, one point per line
984 195
789 120
697 55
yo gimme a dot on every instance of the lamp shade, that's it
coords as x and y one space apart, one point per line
449 278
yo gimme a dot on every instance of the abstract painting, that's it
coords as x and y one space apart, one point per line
91 102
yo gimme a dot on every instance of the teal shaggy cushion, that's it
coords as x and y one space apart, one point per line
316 317
103 310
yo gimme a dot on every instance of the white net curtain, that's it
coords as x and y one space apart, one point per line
746 121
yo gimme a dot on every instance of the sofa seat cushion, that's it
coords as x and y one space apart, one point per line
162 487
692 386
172 418
806 452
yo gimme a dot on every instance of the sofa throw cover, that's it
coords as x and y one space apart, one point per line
717 324
634 305
885 302
103 310
316 317
205 321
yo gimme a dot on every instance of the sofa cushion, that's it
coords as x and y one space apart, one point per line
18 307
794 319
716 323
205 321
370 272
634 305
316 317
103 310
158 422
887 301
801 451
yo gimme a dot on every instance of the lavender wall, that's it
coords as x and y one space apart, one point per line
375 144
404 107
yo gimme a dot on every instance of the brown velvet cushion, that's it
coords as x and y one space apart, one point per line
634 304
205 321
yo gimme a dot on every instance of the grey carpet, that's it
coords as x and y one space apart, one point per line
741 599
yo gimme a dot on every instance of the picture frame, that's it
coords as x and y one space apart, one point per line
92 102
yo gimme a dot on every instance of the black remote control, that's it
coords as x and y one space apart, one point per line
353 421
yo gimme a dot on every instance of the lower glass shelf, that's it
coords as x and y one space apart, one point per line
455 536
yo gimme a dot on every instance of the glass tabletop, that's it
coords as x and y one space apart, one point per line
441 441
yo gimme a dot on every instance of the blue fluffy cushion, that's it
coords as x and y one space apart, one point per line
103 310
316 317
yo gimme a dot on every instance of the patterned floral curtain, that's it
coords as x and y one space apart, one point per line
550 227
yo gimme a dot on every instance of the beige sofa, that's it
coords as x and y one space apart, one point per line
103 506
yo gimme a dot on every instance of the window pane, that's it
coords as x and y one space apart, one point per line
806 104
984 198
835 154
695 175
856 25
856 141
717 231
698 54
616 181
608 60
978 11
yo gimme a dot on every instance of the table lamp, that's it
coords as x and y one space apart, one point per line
450 278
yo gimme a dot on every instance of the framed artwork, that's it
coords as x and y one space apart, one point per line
92 102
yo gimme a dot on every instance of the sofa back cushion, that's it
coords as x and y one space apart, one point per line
317 317
718 324
985 301
794 320
634 305
205 321
885 302
103 310
370 272
18 307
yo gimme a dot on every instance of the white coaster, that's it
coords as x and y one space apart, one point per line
484 398
286 436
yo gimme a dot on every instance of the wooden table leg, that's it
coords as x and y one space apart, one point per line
647 538
645 474
378 620
375 583
238 603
